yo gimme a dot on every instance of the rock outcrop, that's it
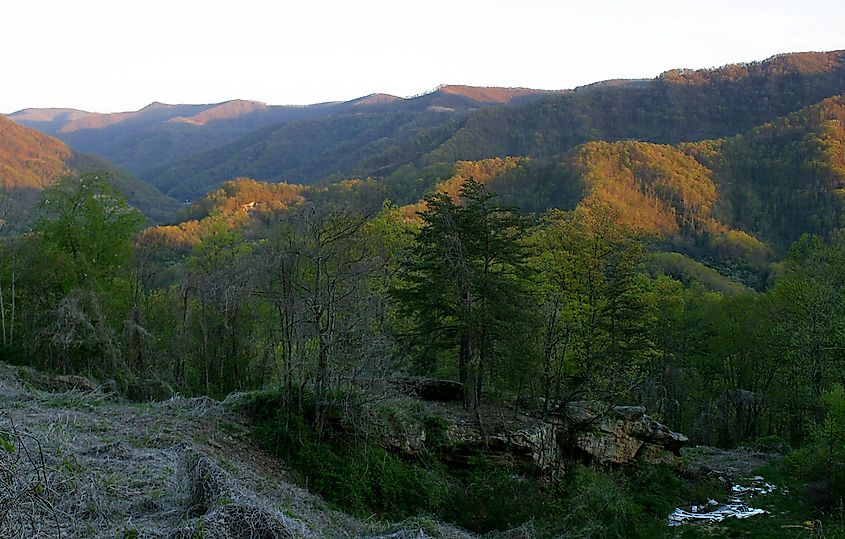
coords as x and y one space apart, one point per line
616 434
529 444
589 431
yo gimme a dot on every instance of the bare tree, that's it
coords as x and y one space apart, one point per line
317 275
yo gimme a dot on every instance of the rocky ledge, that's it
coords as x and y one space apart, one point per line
587 431
617 434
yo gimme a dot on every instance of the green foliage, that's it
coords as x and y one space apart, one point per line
465 283
7 445
490 496
152 203
359 477
602 503
822 460
691 273
770 444
435 431
782 179
595 304
598 506
69 280
89 227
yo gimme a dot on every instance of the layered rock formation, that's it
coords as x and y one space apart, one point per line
587 431
617 434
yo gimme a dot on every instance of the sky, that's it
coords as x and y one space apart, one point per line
117 55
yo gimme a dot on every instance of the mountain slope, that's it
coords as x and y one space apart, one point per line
740 198
743 197
30 161
300 151
678 106
147 140
784 178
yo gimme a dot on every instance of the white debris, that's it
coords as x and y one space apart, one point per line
736 507
765 488
732 509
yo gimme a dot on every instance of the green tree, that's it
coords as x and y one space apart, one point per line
466 283
80 280
597 311
88 225
807 325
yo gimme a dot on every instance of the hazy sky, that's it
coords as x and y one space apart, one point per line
110 55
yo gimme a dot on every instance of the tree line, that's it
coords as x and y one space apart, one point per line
325 300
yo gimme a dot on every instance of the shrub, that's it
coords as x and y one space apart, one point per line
359 477
596 505
490 496
770 444
822 459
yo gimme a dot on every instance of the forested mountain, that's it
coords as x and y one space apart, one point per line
30 161
307 150
144 141
679 105
775 182
740 197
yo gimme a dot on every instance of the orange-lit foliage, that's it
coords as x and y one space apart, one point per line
483 171
652 186
248 195
487 94
28 159
236 204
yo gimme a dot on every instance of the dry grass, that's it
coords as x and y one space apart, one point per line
81 463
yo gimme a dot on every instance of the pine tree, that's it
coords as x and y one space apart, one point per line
466 284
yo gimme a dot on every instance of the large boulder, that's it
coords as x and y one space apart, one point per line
531 444
607 434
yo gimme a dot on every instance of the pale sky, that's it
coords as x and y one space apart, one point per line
116 55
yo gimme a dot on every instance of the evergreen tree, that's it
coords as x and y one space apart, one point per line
466 284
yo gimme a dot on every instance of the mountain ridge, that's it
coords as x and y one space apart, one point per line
190 154
717 103
145 140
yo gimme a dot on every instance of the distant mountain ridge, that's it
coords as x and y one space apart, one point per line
146 140
677 106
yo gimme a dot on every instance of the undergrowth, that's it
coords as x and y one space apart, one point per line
360 477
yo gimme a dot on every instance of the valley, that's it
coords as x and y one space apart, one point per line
608 311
